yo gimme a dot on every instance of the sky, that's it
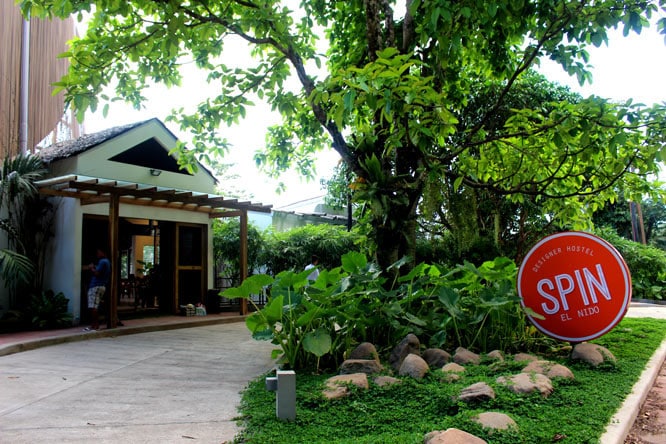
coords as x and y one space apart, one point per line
628 67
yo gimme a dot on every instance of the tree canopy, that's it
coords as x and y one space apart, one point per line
387 92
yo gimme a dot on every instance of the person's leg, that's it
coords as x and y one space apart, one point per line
94 297
92 311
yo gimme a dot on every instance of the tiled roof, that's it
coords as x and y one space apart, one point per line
69 148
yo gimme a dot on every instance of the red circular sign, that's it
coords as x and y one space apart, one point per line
576 286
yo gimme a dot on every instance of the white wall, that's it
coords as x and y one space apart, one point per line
63 270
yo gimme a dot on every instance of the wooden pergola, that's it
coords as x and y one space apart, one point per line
92 190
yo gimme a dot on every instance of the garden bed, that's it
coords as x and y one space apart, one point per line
577 412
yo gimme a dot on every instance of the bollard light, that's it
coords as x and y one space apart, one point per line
284 384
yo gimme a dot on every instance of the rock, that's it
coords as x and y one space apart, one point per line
436 357
451 377
524 357
464 356
477 392
452 367
593 354
496 355
409 345
365 350
337 386
495 421
452 436
524 383
548 368
413 366
367 366
384 381
453 372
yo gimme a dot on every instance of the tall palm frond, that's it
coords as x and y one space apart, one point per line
17 177
15 267
12 233
17 189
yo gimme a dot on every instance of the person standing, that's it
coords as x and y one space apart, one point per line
100 280
313 266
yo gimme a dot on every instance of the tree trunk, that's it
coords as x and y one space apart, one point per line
395 235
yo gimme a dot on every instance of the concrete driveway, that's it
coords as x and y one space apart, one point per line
160 387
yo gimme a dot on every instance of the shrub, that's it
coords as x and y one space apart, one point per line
314 325
647 265
226 247
293 250
49 310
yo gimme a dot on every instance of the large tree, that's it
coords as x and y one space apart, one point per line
386 91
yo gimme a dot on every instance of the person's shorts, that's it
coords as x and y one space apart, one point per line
95 295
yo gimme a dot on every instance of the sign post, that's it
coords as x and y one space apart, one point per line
575 285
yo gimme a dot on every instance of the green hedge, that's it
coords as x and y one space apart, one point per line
293 250
646 263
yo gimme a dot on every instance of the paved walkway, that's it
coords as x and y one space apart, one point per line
166 386
157 381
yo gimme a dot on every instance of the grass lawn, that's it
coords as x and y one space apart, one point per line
577 412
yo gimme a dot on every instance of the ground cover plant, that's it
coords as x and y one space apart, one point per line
577 411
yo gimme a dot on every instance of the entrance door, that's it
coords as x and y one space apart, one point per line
190 264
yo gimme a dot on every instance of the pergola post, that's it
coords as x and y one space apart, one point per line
243 256
112 296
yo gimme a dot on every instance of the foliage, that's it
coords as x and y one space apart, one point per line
404 413
48 310
474 307
226 247
483 308
618 215
293 249
647 265
339 189
387 92
25 224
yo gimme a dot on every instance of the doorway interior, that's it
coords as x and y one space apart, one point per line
161 263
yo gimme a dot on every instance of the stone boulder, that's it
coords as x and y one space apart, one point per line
365 350
409 345
436 357
524 357
338 386
385 381
452 436
464 356
495 421
414 366
496 356
593 354
453 372
477 393
548 368
368 366
526 383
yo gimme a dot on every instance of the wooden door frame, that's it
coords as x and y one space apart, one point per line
203 268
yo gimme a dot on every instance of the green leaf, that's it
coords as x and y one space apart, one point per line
354 262
415 320
255 284
272 311
317 342
531 313
255 323
234 293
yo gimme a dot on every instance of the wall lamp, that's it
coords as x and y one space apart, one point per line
155 172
